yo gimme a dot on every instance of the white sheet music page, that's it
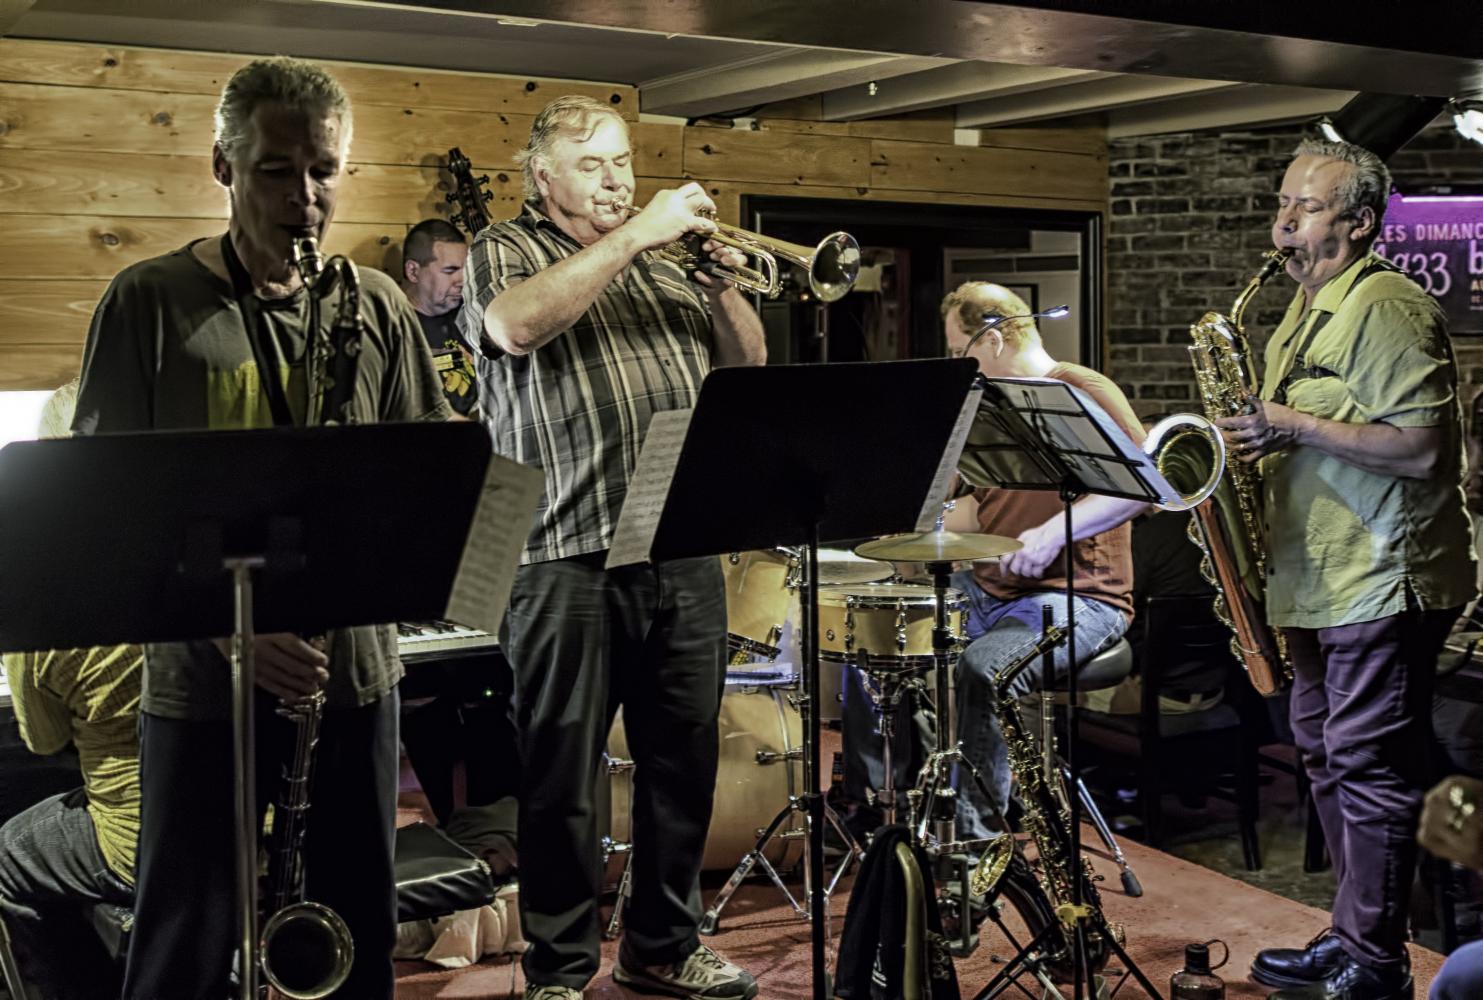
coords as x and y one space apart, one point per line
502 521
639 519
948 466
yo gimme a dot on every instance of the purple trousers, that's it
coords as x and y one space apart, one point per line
1361 715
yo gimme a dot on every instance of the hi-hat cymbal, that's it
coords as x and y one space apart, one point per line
843 566
938 546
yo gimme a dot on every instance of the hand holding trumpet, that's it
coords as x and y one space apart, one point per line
669 215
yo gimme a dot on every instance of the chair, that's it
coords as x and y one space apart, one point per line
1180 631
434 877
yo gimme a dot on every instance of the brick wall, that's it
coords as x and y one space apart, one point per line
1191 216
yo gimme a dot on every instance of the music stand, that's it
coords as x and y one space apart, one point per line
1043 434
174 536
823 433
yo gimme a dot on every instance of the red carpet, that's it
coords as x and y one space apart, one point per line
1181 903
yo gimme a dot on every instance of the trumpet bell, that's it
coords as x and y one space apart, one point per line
833 267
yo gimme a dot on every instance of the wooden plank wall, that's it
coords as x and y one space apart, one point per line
104 161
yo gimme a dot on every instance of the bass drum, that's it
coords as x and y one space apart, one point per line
757 716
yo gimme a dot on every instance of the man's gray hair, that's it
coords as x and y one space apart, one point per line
572 116
1368 183
284 80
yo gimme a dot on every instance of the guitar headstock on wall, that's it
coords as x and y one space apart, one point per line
466 200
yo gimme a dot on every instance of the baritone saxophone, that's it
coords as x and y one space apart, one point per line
1228 527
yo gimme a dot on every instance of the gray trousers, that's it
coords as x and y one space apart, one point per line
582 641
51 875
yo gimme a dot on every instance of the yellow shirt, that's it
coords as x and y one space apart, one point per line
1347 545
90 698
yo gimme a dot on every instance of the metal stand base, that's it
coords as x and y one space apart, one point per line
711 922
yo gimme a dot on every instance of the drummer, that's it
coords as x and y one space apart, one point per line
1005 597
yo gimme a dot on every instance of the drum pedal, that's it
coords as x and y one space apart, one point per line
772 756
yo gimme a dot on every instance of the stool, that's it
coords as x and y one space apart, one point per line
434 877
1106 669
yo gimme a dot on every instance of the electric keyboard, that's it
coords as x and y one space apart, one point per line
439 640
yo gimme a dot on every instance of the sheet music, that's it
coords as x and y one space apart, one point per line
942 479
497 534
639 520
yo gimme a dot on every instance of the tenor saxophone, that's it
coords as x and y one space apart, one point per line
1048 826
1228 527
305 948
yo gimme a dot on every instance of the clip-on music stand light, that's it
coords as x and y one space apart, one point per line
174 536
1042 434
823 434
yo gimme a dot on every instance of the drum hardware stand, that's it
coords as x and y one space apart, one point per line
891 684
710 923
612 846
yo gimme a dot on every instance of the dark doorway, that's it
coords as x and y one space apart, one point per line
914 253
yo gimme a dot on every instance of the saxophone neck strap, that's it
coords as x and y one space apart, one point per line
255 327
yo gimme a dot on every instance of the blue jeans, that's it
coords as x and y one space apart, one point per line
52 873
1461 977
1001 632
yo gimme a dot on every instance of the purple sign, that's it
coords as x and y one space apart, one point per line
1438 241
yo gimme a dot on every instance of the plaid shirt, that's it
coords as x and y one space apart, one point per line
579 406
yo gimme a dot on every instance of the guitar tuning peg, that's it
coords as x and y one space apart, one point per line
451 199
488 195
483 178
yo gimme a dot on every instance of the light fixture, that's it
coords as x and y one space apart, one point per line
993 319
1329 130
1467 117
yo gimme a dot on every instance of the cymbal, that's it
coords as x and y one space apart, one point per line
938 546
843 566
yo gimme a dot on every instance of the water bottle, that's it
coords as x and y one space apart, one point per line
1195 981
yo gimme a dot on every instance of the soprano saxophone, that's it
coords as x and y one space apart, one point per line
1228 527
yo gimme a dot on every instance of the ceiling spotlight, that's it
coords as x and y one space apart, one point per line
1467 116
1329 130
871 88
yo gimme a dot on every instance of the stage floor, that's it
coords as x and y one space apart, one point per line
1182 902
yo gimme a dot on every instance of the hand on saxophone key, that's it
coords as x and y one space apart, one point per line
1269 428
285 665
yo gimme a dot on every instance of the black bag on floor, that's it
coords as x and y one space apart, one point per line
892 946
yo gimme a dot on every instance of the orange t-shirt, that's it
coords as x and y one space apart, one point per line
1104 563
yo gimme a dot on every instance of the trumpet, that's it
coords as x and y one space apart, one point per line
832 266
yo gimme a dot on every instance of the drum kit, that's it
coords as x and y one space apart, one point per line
898 635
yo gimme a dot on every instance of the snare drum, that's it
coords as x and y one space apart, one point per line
761 591
889 622
757 716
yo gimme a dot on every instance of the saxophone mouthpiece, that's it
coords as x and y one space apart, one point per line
308 258
1276 259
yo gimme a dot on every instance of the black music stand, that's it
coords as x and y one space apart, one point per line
1043 434
845 467
174 536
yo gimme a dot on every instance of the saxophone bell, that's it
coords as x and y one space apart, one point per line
305 949
1190 454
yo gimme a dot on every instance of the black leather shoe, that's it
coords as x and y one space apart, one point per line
1352 981
1299 966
